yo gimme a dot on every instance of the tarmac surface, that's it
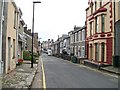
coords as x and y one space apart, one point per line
62 74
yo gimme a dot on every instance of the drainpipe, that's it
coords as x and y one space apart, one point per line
17 27
1 20
114 31
4 32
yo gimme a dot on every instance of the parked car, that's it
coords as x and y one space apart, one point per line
49 52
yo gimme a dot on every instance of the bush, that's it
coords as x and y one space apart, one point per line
26 55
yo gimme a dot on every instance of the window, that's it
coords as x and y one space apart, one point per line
103 23
76 36
102 51
96 51
90 28
91 9
96 24
83 51
91 52
83 35
95 5
15 13
101 3
80 35
79 51
13 48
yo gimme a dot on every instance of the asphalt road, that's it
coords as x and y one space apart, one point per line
62 74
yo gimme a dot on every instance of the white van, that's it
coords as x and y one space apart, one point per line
49 52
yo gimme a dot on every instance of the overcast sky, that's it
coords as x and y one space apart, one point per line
54 17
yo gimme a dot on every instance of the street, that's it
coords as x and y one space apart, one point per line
60 73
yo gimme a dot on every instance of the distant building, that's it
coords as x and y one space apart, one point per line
36 42
77 41
77 38
66 44
71 34
45 45
63 43
28 38
56 47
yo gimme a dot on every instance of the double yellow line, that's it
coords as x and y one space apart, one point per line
43 75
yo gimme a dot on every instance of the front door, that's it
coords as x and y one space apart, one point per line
96 52
87 51
91 52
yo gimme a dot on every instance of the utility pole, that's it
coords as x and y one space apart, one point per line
33 30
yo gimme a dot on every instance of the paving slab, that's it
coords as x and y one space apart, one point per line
21 77
111 69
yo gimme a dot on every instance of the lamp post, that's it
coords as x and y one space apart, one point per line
33 30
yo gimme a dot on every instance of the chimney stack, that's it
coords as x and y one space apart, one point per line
29 30
25 28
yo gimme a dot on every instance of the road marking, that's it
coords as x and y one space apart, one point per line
43 74
80 65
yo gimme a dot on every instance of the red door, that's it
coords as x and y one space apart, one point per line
109 50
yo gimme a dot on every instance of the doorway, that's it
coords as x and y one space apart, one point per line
9 52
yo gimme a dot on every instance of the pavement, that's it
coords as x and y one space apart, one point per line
37 82
21 77
106 68
111 69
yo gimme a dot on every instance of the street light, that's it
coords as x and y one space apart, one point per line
33 30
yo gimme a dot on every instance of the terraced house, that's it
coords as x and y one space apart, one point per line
20 36
36 50
100 31
77 41
9 39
